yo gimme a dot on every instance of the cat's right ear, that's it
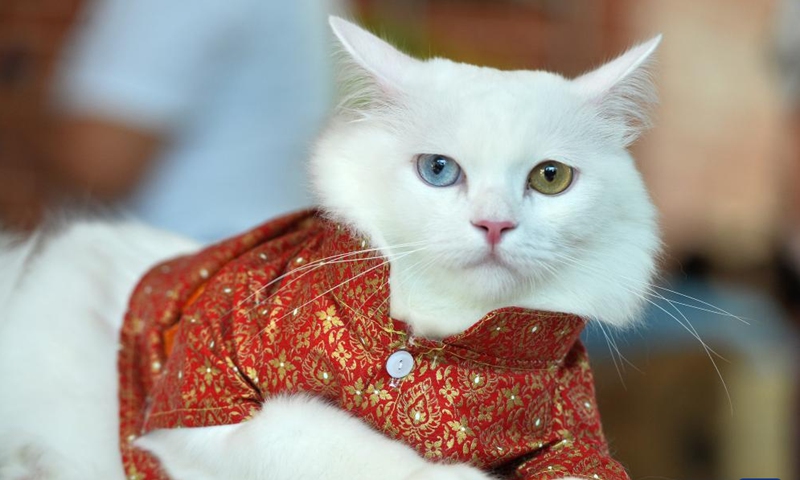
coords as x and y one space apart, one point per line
624 90
384 63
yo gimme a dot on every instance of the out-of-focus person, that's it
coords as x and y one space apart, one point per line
195 117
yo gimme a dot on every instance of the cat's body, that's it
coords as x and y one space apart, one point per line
485 241
59 332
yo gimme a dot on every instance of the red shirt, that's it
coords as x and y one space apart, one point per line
209 337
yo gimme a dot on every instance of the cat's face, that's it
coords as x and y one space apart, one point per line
514 188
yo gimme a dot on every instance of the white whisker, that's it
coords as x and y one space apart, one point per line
613 358
686 326
381 264
311 267
717 310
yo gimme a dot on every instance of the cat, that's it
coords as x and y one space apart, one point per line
482 189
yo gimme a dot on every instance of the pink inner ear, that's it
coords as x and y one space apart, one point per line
384 62
623 92
618 70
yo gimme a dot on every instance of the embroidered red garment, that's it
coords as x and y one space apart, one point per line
209 337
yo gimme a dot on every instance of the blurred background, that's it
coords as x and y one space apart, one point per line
168 114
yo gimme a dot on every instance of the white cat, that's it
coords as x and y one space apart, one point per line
517 183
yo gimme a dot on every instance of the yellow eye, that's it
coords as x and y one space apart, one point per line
550 177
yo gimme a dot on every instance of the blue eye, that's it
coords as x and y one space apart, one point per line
438 170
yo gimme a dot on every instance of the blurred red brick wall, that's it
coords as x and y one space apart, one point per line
567 37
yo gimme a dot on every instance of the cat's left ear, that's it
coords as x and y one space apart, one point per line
384 63
623 89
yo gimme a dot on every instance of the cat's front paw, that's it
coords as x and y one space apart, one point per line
448 472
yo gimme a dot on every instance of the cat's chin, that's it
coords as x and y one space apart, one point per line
450 300
496 275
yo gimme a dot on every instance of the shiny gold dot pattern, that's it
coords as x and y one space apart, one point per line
209 337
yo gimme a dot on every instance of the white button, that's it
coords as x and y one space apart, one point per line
399 364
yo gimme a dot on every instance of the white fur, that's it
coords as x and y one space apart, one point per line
589 251
58 346
497 126
294 438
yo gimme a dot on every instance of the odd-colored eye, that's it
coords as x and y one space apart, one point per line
438 170
550 177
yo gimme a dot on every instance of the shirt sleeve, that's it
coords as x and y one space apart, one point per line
147 61
571 460
202 386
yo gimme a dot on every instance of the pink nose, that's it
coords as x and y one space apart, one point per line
494 229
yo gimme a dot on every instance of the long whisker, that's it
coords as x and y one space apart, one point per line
381 264
687 326
430 262
312 266
381 288
613 358
707 310
717 310
386 258
385 283
622 357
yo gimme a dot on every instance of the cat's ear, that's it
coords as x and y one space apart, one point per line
623 89
384 63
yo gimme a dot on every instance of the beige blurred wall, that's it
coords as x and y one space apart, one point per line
715 161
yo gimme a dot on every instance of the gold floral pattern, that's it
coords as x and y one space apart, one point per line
209 337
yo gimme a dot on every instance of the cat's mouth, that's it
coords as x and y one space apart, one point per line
492 258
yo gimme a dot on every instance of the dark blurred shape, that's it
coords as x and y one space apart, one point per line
31 32
14 62
788 282
696 265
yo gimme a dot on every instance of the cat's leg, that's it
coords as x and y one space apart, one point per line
64 297
293 438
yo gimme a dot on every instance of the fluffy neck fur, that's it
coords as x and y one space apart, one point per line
589 250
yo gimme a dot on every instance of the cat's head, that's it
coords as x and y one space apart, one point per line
493 188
